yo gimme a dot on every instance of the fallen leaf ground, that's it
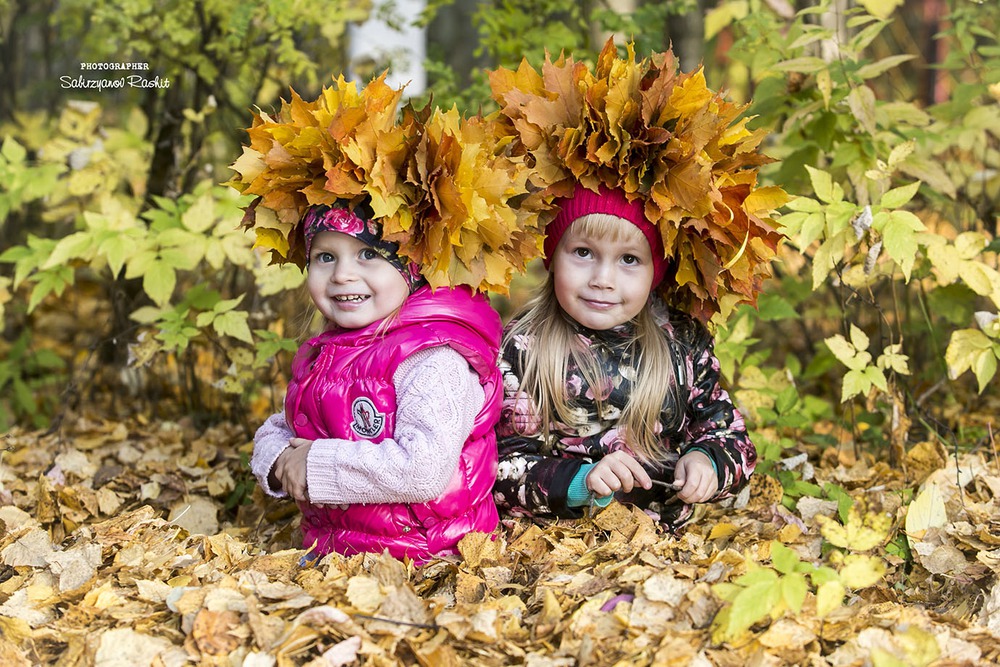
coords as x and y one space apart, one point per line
140 543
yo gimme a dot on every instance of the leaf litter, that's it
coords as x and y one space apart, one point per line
147 544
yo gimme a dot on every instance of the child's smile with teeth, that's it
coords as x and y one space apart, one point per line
338 263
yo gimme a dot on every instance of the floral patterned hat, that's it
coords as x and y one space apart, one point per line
358 223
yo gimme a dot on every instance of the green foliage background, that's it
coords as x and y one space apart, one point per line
126 287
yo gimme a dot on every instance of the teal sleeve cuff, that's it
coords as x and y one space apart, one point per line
578 495
707 453
603 501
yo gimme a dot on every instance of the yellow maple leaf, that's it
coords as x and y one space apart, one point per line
765 200
861 532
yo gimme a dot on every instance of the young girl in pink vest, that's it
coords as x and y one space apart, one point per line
609 391
392 407
387 438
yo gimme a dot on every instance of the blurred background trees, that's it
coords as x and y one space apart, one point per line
126 286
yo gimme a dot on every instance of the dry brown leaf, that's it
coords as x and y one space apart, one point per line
124 647
11 655
75 567
479 548
542 598
214 631
365 594
30 549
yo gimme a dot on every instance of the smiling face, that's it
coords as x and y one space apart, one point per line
602 278
351 284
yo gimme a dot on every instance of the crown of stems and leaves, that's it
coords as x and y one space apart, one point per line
442 186
664 138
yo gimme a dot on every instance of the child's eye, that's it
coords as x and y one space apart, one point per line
369 253
582 252
630 260
324 257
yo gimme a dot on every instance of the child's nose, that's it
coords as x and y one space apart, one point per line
603 275
343 271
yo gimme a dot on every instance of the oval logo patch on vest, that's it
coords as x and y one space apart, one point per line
367 421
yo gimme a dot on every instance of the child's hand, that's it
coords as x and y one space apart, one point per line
617 470
695 478
290 469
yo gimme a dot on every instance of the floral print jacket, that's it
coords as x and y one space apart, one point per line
534 475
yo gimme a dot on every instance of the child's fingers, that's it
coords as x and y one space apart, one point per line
290 469
628 470
288 481
298 442
606 479
624 474
692 491
600 482
697 489
639 474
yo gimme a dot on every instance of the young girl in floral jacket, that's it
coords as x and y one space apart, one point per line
608 391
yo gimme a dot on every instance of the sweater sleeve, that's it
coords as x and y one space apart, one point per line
437 399
270 440
531 481
715 426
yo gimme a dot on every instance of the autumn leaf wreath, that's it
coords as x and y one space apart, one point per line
662 137
442 186
467 199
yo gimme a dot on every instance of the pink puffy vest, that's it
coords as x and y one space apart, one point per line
342 387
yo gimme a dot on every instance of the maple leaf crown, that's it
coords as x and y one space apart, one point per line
441 186
663 139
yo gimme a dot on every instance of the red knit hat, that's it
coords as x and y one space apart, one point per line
613 202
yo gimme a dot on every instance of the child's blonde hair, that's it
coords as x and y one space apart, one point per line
550 333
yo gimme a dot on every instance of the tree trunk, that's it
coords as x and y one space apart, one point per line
452 39
686 34
598 36
394 42
835 20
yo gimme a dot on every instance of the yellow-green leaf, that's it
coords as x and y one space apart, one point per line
859 533
116 249
964 351
75 246
794 590
753 604
876 377
842 350
233 323
856 383
861 571
823 185
899 196
861 100
926 511
859 339
201 214
158 281
784 559
881 9
829 596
